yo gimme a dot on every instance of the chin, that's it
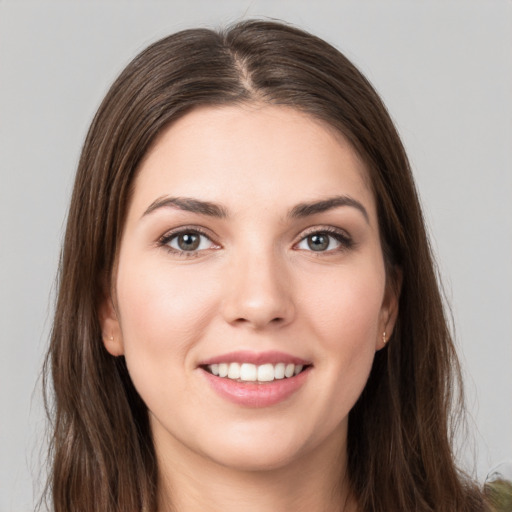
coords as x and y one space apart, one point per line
251 459
260 447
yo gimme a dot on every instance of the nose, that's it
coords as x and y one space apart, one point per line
259 293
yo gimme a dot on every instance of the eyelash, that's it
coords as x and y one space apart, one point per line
339 235
169 236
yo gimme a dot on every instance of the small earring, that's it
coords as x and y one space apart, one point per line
111 338
384 340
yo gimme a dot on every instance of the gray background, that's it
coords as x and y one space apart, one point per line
444 70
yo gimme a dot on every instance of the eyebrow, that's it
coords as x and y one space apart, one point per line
312 208
210 209
188 204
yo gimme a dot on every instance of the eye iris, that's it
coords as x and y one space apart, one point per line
318 242
188 242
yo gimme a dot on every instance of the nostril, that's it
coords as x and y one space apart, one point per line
278 320
257 311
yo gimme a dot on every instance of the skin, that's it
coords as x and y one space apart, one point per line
253 284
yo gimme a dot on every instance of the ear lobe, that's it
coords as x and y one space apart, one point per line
110 328
389 311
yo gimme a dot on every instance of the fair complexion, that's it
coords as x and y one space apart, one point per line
251 237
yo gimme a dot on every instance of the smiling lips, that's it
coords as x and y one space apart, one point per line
248 372
256 380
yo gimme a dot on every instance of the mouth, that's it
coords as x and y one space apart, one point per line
249 372
256 379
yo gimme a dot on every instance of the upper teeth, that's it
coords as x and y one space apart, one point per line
252 373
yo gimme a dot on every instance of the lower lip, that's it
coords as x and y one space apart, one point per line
253 394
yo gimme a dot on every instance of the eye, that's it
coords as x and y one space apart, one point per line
189 241
325 241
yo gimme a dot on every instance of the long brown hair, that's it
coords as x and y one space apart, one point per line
399 439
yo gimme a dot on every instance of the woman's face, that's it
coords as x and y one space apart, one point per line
251 247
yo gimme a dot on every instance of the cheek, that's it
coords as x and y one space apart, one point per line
163 310
348 300
344 310
341 314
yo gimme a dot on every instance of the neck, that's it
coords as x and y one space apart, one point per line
315 481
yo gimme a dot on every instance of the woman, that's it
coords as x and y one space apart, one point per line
248 314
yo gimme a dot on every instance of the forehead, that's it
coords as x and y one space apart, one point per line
270 156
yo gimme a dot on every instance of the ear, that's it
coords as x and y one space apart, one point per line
389 310
110 327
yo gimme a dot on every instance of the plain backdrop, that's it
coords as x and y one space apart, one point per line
443 68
